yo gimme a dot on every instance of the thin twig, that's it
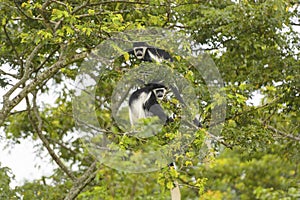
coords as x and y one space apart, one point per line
8 74
47 59
12 46
118 1
286 135
21 11
212 136
80 7
60 3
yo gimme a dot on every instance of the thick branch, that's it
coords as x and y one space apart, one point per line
9 105
25 76
38 124
82 182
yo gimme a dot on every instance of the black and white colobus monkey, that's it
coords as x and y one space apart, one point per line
143 103
145 52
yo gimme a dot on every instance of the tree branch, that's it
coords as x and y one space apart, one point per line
211 136
81 7
295 24
82 182
8 74
21 11
60 3
38 126
61 145
286 135
8 105
118 1
25 76
47 59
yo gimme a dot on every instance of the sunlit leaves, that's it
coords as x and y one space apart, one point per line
255 50
19 126
260 174
58 14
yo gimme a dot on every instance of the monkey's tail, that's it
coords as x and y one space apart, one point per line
175 191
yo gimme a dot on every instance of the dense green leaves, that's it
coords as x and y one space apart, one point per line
262 177
255 47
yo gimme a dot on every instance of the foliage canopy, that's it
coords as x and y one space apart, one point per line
255 47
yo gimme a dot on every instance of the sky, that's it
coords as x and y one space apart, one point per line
21 159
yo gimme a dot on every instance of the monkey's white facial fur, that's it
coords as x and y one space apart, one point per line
159 93
139 52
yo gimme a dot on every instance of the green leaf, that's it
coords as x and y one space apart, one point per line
170 185
91 12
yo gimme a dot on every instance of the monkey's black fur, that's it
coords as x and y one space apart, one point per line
151 105
144 50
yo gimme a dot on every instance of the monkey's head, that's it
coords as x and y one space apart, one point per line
158 89
159 93
139 49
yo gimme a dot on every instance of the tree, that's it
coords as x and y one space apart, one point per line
6 177
253 43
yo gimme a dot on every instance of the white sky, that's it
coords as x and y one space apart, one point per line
22 160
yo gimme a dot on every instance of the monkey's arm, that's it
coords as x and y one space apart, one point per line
157 110
130 52
180 99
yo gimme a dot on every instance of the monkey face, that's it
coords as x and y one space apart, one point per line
139 52
159 93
